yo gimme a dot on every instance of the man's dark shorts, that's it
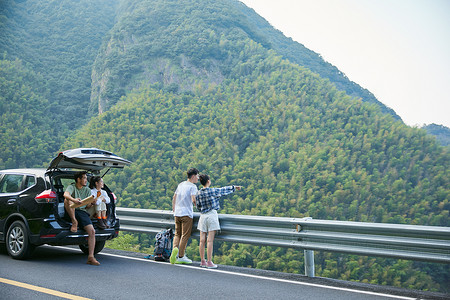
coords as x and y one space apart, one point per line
81 216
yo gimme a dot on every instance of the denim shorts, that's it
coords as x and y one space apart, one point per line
209 221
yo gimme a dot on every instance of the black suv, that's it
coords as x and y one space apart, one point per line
32 203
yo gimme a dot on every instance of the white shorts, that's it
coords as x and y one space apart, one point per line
100 207
209 221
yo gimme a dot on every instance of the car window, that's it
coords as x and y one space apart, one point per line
30 181
11 183
66 182
61 183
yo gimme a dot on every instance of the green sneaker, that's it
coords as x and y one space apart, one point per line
173 256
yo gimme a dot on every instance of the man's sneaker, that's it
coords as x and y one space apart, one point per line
203 263
173 256
183 260
211 265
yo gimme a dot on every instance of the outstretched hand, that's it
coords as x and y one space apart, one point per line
238 187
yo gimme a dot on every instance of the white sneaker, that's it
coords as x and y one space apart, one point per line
183 260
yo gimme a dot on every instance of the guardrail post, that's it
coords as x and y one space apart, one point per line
308 254
309 263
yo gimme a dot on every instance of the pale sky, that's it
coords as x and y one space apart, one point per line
397 49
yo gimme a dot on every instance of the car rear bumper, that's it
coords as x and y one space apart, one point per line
53 234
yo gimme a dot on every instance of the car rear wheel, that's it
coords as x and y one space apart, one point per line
18 242
99 245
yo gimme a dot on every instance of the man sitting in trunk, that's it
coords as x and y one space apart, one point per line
74 193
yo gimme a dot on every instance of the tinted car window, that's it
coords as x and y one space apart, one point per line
11 183
61 183
30 181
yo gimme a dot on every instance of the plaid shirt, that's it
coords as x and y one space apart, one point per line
207 199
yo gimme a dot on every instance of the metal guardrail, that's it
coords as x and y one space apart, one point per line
411 242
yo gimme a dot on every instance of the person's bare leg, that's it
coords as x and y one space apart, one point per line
201 247
209 251
91 239
71 213
91 244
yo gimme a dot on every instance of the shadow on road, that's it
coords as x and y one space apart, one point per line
50 253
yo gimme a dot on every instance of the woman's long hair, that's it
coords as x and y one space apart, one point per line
93 181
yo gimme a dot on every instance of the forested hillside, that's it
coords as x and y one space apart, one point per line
300 147
441 133
23 117
209 92
209 84
175 46
58 42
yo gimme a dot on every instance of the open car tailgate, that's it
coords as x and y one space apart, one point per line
89 159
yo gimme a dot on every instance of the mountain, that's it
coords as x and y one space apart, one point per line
155 43
208 84
64 42
22 92
57 41
442 133
211 82
301 148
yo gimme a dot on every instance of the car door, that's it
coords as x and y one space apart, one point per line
28 205
10 186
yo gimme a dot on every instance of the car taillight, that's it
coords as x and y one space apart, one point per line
47 196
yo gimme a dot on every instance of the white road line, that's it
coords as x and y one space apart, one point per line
265 278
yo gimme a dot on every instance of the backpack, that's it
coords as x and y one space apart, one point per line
163 245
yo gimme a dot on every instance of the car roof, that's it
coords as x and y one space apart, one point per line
31 171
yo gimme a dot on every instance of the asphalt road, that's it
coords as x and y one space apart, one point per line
127 275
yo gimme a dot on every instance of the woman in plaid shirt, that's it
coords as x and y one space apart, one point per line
207 202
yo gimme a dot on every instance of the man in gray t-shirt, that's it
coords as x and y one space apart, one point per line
79 193
75 193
